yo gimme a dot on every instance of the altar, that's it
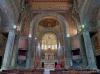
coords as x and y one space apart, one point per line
49 65
49 61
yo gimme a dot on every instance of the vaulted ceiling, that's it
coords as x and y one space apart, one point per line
8 9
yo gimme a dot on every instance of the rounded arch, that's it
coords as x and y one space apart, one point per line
7 13
4 18
49 38
62 22
42 16
49 32
93 15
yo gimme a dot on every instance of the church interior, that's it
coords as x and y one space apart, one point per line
49 36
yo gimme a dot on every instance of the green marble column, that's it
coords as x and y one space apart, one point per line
68 53
29 54
89 50
8 50
15 52
82 51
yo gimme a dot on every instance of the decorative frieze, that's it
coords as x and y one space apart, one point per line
50 5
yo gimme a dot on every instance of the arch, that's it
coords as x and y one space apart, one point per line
7 12
93 15
58 17
62 22
42 16
4 18
51 35
49 39
53 32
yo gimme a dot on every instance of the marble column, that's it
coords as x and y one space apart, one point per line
68 53
89 50
82 51
8 50
29 54
15 52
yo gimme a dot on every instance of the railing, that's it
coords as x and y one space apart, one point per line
60 71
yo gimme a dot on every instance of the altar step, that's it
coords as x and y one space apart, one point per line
46 71
15 71
73 72
41 71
